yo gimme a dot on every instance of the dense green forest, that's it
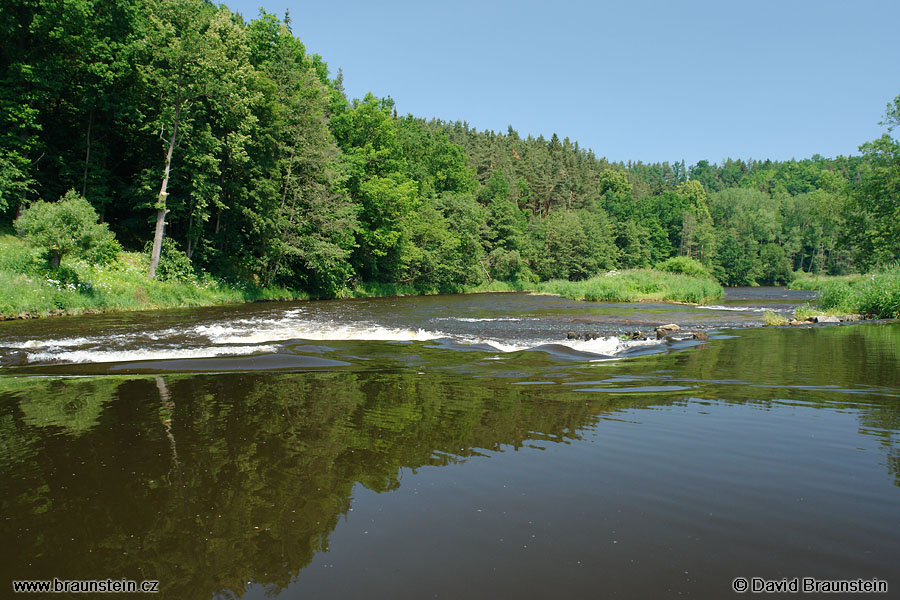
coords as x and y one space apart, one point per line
245 146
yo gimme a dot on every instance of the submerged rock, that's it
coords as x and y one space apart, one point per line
698 335
586 336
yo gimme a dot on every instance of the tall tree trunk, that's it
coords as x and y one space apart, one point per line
190 245
87 155
161 209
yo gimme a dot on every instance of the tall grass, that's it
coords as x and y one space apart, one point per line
616 286
28 285
634 285
817 282
876 294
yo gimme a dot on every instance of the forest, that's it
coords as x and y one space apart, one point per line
224 145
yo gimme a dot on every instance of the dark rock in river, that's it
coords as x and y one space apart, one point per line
586 336
701 336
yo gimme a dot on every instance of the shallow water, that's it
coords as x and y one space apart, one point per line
451 446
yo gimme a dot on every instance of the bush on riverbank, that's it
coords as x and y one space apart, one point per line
28 284
686 266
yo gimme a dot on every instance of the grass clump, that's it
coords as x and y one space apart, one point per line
876 294
635 285
773 319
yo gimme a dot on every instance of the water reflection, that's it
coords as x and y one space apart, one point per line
218 483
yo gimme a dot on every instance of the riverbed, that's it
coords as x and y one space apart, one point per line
478 446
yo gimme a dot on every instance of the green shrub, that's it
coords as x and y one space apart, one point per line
508 265
686 266
174 265
67 227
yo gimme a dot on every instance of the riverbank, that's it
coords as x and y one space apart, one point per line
875 295
29 288
633 285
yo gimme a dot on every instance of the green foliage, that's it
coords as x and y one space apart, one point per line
508 265
773 319
13 180
635 285
737 262
78 286
430 257
684 265
577 245
67 227
805 281
635 245
775 266
876 294
174 264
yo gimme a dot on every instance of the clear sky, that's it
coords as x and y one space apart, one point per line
640 80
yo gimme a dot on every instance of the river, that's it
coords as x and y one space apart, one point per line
477 446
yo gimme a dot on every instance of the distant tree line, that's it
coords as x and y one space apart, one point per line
179 119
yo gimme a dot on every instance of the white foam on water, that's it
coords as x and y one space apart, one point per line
607 346
272 330
62 343
735 308
504 347
603 345
72 342
108 356
482 320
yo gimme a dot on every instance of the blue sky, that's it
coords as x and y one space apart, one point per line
649 81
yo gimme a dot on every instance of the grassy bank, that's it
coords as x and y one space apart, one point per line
616 286
876 294
816 282
635 285
29 287
383 290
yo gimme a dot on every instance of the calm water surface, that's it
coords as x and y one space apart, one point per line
449 446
